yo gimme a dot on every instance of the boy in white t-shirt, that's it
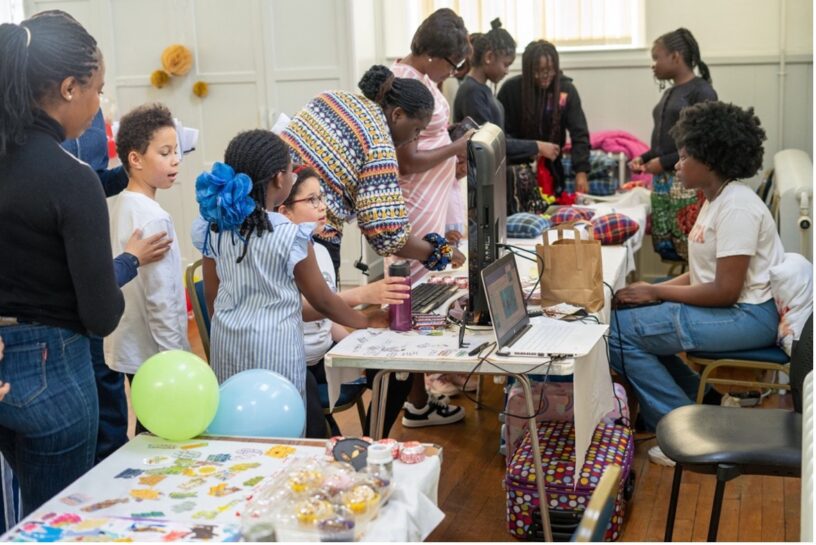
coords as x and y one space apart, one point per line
155 317
724 302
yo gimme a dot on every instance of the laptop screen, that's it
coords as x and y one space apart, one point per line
505 299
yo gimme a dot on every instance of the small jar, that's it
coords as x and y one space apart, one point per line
412 452
380 463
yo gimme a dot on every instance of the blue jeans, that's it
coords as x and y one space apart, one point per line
644 342
48 422
113 411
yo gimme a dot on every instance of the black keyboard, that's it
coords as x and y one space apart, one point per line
427 297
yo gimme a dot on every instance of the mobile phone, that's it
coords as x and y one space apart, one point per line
457 130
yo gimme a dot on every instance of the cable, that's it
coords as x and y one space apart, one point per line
539 260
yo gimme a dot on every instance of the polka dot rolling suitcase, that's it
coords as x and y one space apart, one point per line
611 444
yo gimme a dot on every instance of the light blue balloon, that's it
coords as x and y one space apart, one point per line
259 403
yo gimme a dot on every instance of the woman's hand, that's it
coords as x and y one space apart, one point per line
378 319
457 259
388 291
461 143
453 237
461 167
548 150
147 250
581 182
653 166
636 164
637 293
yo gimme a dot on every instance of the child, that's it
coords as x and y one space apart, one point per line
258 263
155 317
306 204
543 104
675 55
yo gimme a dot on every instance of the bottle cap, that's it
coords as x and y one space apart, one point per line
400 268
379 454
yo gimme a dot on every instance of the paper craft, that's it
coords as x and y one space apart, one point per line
386 344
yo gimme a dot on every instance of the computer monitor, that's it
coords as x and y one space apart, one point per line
487 211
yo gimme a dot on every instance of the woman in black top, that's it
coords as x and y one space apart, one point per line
57 281
493 53
543 104
675 55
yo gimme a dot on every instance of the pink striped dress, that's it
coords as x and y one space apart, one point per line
427 194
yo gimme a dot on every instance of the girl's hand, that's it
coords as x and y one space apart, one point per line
388 291
147 250
581 182
461 168
457 259
453 237
636 164
548 150
5 387
378 319
637 293
653 166
461 143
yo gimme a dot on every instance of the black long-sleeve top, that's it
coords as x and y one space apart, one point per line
475 99
572 119
55 250
666 114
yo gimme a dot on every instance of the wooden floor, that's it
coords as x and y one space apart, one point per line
472 497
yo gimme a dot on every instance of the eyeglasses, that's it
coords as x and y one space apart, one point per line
314 200
455 67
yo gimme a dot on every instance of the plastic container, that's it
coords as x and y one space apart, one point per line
380 466
400 315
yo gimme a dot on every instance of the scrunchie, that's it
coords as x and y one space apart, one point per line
223 197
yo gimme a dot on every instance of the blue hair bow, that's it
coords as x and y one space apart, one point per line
223 197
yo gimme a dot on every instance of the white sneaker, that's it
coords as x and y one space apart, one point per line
435 413
656 456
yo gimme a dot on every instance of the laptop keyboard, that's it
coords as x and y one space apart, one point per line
427 297
549 339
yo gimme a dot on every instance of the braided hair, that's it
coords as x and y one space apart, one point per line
683 42
261 155
497 40
379 85
541 115
442 34
36 56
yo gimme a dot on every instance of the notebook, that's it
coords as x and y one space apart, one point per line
515 334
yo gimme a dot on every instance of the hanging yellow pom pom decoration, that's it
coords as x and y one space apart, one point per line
200 89
177 60
159 78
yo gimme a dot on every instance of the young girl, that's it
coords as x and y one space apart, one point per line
675 55
493 53
724 302
307 204
259 263
155 317
543 104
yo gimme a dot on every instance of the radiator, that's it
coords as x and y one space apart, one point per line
806 513
793 202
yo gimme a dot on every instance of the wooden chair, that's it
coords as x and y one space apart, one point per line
601 506
195 290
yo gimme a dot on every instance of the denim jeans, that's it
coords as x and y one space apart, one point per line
48 422
113 410
644 342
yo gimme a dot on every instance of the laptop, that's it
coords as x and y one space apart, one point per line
515 334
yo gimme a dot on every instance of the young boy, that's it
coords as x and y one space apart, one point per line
155 317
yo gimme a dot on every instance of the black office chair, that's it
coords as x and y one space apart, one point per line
729 441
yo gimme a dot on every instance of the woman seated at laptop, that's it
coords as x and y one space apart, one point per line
724 302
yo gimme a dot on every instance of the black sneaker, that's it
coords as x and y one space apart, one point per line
435 413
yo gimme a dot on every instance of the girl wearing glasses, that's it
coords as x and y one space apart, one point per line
543 104
306 204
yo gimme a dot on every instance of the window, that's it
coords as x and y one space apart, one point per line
567 23
11 11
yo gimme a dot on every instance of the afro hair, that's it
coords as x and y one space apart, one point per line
722 136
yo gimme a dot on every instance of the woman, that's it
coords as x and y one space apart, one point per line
724 302
543 104
351 141
57 277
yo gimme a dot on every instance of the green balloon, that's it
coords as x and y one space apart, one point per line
175 395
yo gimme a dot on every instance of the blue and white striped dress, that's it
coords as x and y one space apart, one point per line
258 318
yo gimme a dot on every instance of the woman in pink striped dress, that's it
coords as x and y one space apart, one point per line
428 171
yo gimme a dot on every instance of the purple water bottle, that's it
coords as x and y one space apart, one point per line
400 315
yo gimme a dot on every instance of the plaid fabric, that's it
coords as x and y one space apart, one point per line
614 228
603 174
526 225
568 213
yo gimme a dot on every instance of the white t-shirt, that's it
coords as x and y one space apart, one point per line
155 317
317 334
737 222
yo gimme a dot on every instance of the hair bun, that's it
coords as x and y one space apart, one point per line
223 197
374 80
495 23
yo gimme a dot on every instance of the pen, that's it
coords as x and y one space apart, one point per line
477 349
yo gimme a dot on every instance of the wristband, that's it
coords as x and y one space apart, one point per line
441 254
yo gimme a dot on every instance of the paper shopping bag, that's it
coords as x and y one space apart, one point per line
570 269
